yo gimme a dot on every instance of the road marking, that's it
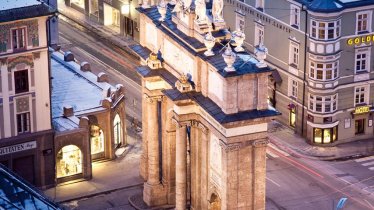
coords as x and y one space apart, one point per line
272 181
278 150
369 203
364 159
368 164
271 154
299 165
129 81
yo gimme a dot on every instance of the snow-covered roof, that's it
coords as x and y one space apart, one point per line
75 88
12 4
11 10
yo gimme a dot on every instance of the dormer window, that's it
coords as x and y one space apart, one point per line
19 39
295 16
260 4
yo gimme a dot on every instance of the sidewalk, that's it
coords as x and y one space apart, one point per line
102 31
285 139
108 176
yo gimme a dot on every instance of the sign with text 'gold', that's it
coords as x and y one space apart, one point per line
362 109
361 40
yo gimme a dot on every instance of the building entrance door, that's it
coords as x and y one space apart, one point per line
359 126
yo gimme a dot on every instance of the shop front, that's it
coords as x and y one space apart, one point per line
30 156
112 17
323 133
69 161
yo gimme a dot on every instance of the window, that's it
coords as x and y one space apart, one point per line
293 117
21 81
295 16
325 30
260 4
363 24
240 24
23 122
19 39
361 95
259 34
294 54
359 126
69 161
292 90
323 71
362 60
323 104
325 135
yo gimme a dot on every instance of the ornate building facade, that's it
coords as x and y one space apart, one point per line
26 135
322 51
205 110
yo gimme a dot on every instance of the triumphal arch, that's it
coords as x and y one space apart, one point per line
205 109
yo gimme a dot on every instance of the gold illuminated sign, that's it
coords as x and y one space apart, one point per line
362 110
361 39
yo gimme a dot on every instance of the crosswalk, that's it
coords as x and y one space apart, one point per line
274 152
367 162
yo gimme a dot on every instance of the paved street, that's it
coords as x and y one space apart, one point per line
292 182
103 57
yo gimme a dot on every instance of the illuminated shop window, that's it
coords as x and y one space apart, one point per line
324 135
97 140
293 117
69 161
117 130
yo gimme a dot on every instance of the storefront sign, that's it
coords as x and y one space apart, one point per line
361 39
362 110
17 148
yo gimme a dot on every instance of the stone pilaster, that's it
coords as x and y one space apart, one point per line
144 157
259 167
203 160
153 193
181 167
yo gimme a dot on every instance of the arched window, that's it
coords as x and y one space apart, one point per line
69 161
117 130
97 140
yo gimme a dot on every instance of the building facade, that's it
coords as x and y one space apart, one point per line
26 135
322 51
118 15
205 111
88 116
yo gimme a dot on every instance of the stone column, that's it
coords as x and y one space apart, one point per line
203 158
153 193
153 147
181 167
259 176
144 157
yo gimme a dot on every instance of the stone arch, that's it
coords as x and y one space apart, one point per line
117 130
69 161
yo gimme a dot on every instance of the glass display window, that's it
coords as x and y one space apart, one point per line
97 140
325 135
69 161
117 130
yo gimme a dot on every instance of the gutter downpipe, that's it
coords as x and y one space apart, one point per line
304 76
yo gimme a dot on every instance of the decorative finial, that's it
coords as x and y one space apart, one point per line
261 51
209 42
162 7
182 84
229 57
239 37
